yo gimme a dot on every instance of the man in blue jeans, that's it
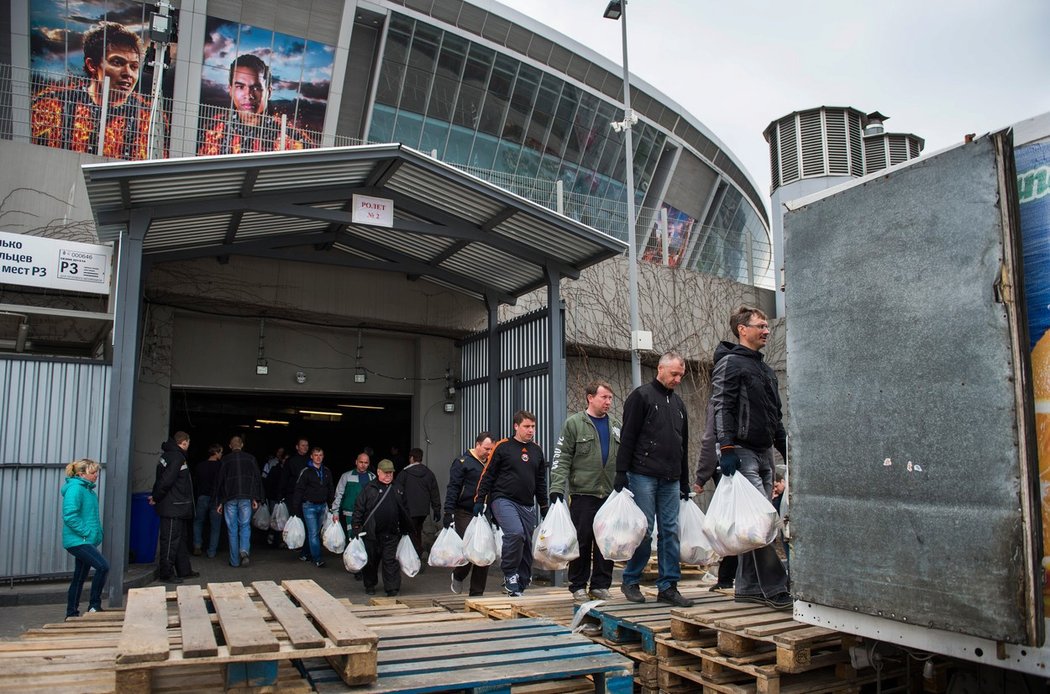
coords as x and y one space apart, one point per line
653 463
204 475
314 494
239 491
748 426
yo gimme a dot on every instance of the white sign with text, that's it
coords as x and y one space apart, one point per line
34 261
373 211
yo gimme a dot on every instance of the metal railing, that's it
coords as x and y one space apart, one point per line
66 111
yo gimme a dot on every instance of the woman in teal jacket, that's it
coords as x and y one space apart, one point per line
82 533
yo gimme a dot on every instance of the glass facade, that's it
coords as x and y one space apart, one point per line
735 235
440 92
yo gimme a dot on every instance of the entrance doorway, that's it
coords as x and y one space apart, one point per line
342 425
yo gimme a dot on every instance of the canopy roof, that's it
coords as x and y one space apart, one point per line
448 226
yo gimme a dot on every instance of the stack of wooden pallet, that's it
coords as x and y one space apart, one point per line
633 629
244 633
221 637
740 648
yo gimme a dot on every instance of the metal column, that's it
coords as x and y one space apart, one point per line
557 352
128 306
495 427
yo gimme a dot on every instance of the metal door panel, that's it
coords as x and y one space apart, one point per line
912 492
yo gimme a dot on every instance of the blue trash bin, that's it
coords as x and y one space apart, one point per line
145 524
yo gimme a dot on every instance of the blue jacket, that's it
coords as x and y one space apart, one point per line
80 522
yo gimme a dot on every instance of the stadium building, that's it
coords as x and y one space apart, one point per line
344 221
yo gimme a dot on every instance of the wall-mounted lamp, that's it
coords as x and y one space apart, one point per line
450 407
360 375
300 377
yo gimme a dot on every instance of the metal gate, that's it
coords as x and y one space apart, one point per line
524 379
51 413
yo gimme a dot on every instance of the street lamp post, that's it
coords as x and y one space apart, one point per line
617 10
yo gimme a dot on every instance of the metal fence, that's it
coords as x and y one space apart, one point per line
51 412
60 110
524 379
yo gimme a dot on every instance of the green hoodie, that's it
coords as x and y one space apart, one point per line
81 525
578 458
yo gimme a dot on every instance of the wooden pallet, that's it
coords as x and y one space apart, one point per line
485 655
690 573
79 655
744 628
244 633
682 662
626 622
503 606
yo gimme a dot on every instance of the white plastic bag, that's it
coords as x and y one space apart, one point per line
540 560
619 526
279 516
407 557
294 533
497 535
261 518
695 547
334 538
327 522
447 551
479 544
355 556
556 539
740 518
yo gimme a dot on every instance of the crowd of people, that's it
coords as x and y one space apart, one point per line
505 480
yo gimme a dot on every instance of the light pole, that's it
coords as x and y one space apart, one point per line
617 9
160 34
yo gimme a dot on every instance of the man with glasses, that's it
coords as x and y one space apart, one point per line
748 426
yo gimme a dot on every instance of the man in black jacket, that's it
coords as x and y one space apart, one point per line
421 496
514 476
238 490
204 483
463 479
381 516
173 496
314 493
748 426
653 463
296 463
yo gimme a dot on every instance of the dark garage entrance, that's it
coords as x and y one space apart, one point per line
343 426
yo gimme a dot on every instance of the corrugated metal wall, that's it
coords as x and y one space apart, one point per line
51 412
524 379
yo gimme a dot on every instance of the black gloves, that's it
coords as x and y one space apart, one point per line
556 497
728 461
683 493
620 483
479 508
543 511
447 520
437 516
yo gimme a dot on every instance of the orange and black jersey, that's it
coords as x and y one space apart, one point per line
515 471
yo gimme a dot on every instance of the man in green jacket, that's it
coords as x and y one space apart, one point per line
587 445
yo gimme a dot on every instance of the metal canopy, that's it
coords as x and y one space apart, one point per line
449 227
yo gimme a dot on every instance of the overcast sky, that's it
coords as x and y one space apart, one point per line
937 68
